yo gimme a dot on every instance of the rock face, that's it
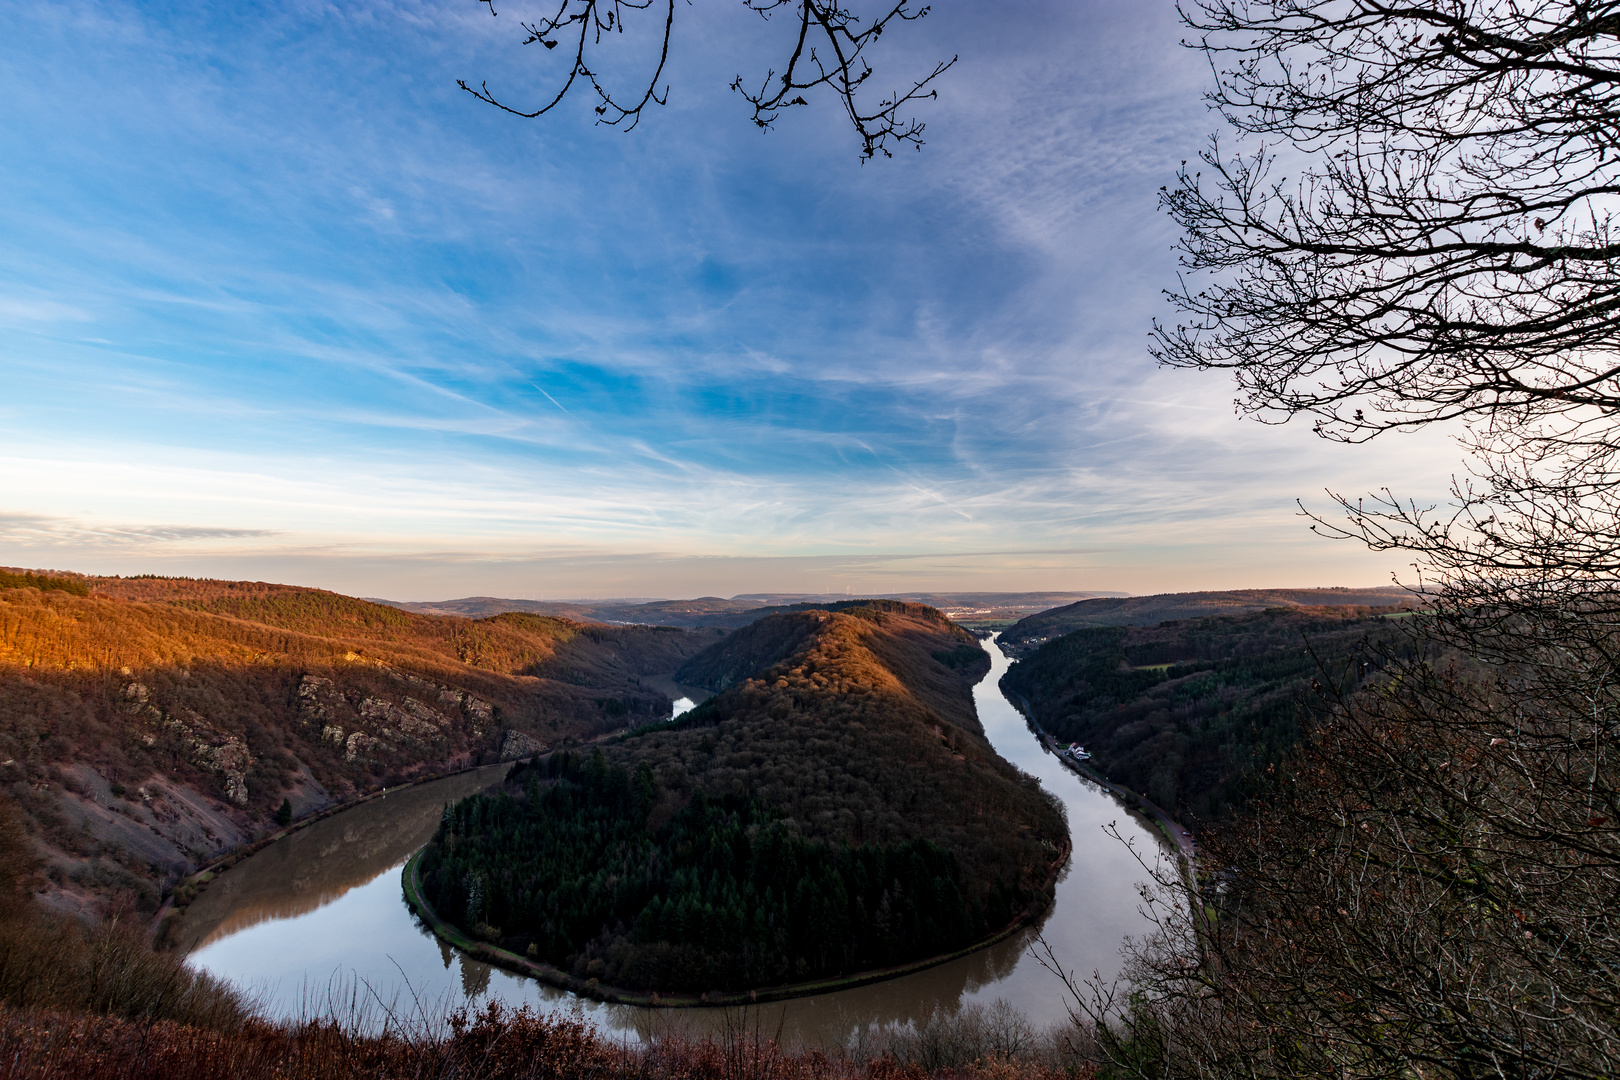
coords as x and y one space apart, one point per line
367 725
518 745
194 737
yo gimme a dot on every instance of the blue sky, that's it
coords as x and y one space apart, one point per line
279 301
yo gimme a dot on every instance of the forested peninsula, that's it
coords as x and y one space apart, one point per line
835 809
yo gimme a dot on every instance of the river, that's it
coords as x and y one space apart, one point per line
318 918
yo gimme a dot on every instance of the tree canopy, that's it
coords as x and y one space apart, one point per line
726 894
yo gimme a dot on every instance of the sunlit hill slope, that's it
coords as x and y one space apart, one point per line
148 725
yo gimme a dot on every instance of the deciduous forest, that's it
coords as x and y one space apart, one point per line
150 725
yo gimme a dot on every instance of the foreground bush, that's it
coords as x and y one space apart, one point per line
52 961
492 1045
49 960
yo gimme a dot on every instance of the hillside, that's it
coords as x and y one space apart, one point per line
1184 712
683 613
149 725
1029 633
740 610
844 742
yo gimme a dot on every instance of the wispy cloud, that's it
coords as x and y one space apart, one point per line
275 289
36 529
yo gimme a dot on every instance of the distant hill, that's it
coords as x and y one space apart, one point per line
844 743
684 613
150 724
1187 710
1029 633
742 609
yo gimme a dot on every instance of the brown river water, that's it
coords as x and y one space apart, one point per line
317 923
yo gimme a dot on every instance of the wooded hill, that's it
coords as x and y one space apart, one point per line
849 753
148 725
1187 711
714 611
1030 632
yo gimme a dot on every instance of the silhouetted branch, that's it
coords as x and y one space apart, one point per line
829 50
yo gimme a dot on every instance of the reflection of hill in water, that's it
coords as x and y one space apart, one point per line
833 1019
320 863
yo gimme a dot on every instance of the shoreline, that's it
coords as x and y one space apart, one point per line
1173 830
591 988
203 875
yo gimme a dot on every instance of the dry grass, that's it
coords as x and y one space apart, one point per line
49 960
495 1044
53 961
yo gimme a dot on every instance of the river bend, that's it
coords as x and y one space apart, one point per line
318 917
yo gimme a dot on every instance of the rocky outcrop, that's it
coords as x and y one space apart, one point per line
192 736
411 718
311 688
366 724
373 723
515 744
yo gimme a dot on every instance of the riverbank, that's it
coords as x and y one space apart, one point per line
1172 830
189 887
592 988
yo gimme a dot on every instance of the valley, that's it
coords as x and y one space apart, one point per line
325 908
851 794
151 726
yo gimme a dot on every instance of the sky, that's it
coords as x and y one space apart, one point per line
279 301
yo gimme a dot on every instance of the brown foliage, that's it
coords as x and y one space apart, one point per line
494 1044
1188 711
49 960
1429 890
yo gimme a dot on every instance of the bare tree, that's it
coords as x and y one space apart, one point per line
1445 249
1428 890
1444 253
830 49
1414 229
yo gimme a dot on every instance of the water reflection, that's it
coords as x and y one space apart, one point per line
317 865
325 905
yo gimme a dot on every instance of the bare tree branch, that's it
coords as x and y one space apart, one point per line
830 50
1429 887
